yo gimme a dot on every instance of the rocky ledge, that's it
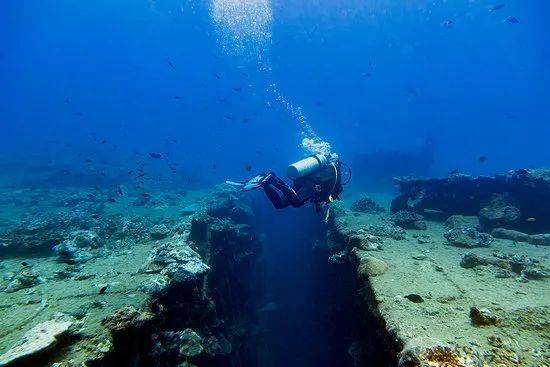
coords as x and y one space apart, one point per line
179 293
446 293
517 200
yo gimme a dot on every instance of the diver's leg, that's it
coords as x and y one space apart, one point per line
291 197
278 201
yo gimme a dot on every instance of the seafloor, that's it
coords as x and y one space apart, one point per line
443 310
119 277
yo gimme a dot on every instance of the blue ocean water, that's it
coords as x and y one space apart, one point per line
92 92
169 76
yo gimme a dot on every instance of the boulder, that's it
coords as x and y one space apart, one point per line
176 261
369 266
461 221
367 205
408 220
468 238
85 238
71 254
159 231
483 317
37 340
27 278
471 260
190 343
127 318
499 213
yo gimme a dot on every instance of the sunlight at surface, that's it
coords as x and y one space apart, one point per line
243 25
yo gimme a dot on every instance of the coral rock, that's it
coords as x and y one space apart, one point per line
38 339
70 254
127 318
369 266
468 238
409 220
159 232
366 205
461 221
499 212
25 279
483 317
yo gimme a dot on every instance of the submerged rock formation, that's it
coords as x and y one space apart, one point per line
433 312
366 205
181 292
37 340
518 200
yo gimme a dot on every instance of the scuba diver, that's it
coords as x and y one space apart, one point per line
316 179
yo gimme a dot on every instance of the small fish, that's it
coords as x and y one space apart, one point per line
24 264
447 23
415 298
237 89
246 120
177 97
248 168
531 219
103 141
111 200
145 195
88 161
67 100
130 172
155 155
228 117
102 289
482 159
217 76
512 20
496 7
170 64
214 166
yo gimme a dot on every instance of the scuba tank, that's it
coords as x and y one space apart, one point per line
306 166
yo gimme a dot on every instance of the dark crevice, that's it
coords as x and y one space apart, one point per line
284 306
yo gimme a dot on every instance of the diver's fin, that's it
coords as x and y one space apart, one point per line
233 183
249 185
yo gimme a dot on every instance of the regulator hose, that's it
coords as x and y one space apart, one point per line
349 173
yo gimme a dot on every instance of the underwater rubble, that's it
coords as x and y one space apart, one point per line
111 289
455 290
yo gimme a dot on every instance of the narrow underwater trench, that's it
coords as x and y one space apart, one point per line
270 299
315 313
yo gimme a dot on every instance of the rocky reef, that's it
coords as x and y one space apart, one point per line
130 290
518 200
456 274
447 292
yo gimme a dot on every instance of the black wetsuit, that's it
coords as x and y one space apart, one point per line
316 188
